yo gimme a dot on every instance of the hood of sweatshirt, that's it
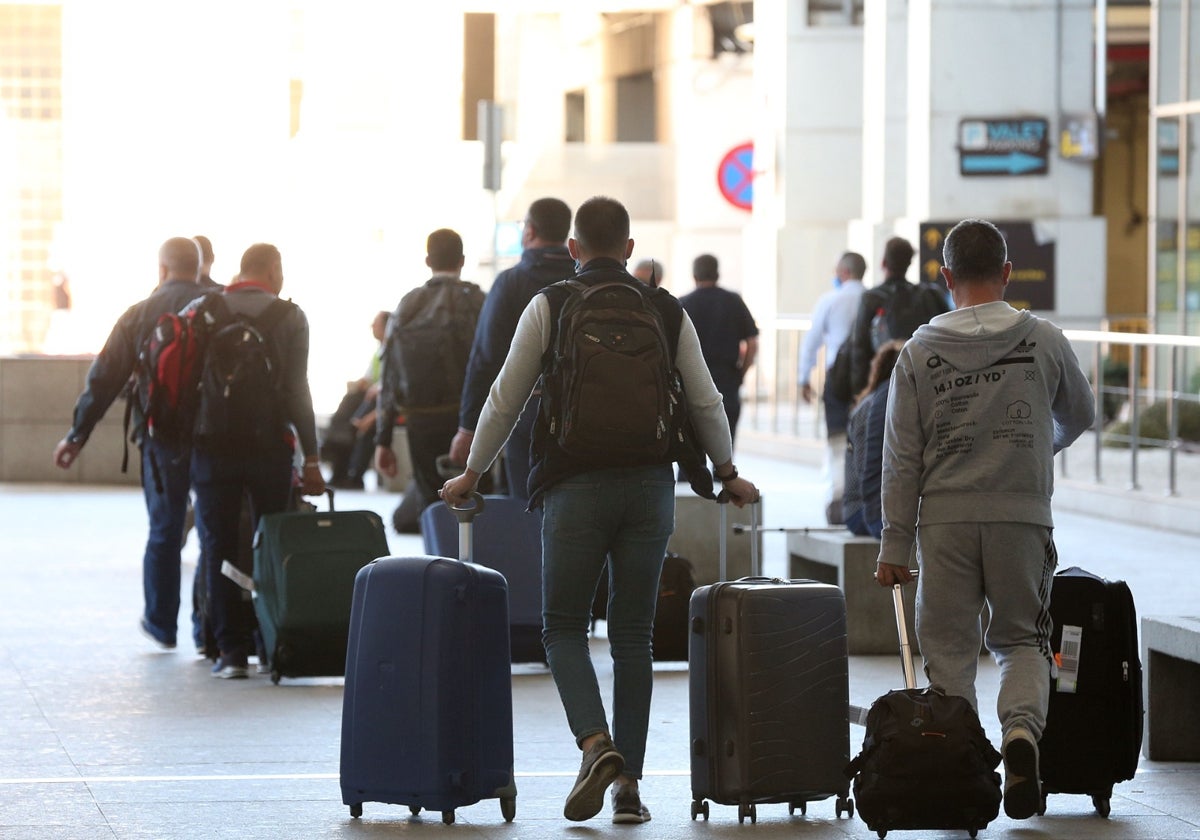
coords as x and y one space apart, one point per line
977 337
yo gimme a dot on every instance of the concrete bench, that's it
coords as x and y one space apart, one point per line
840 558
697 528
1171 655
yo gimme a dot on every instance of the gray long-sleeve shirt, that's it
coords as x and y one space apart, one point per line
981 399
524 365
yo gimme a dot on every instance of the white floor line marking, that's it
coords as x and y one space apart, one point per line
252 777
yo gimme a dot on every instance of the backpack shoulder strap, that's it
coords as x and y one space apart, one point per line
276 311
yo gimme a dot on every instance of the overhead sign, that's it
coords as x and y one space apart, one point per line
735 176
1003 146
1031 283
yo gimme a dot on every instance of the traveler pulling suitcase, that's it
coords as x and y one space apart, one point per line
769 694
304 569
926 763
427 709
509 540
1093 734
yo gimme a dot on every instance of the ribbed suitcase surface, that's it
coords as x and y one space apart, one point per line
769 690
427 709
304 569
1093 734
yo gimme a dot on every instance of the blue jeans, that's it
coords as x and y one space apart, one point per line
221 481
166 507
626 515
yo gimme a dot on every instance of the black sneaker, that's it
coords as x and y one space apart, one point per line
601 765
1022 791
627 806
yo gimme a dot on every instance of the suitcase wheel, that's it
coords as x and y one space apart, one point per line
414 809
974 832
356 810
750 811
1102 804
802 807
699 808
881 833
448 817
508 808
276 676
845 805
1042 807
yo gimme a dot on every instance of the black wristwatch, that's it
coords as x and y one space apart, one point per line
725 479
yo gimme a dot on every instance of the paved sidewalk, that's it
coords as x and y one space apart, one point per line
103 737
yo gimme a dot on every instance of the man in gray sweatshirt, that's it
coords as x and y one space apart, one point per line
981 400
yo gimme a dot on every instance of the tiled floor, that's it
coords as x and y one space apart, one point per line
102 737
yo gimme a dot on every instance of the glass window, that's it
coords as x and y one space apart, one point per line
1170 20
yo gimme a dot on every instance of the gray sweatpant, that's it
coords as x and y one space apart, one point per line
1010 564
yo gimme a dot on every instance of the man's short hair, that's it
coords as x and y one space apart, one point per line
259 259
444 248
975 250
854 264
181 256
897 255
602 225
704 267
550 219
206 251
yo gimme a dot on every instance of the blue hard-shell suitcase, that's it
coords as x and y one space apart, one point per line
427 709
507 538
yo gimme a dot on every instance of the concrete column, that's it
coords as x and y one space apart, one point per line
1005 58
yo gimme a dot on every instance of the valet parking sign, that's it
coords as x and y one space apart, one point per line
1003 146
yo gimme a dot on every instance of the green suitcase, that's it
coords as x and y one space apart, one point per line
304 569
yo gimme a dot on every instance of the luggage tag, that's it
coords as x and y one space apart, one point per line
1067 659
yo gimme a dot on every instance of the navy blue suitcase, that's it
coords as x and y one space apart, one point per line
427 709
507 538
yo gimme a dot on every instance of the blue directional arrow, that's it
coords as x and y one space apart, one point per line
1013 163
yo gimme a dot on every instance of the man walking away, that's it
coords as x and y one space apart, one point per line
167 495
244 441
425 358
832 322
981 400
544 261
599 504
727 332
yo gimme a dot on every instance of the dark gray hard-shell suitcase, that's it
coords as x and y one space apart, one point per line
769 695
427 710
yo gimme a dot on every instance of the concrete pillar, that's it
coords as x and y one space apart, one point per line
1005 58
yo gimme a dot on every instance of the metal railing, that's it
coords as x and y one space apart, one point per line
1160 376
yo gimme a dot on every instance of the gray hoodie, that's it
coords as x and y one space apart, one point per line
981 399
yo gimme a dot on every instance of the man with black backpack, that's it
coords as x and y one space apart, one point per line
620 366
254 401
425 356
890 311
165 458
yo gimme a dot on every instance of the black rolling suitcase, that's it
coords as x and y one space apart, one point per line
1093 735
926 763
769 694
427 709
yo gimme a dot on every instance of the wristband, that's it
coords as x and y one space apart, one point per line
724 479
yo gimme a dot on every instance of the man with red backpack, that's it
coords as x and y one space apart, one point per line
165 462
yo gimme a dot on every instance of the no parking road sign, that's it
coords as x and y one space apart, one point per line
735 176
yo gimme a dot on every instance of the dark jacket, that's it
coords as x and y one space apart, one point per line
289 346
502 308
722 323
550 463
117 361
864 464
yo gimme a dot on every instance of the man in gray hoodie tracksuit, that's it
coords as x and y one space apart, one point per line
981 399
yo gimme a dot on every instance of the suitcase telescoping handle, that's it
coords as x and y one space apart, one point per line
906 659
723 542
465 516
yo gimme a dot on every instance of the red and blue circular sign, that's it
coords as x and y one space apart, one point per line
735 176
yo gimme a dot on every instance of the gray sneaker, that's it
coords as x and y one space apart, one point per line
601 765
1022 791
627 806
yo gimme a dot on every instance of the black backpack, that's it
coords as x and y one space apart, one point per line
902 309
675 587
239 410
428 344
609 388
925 764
